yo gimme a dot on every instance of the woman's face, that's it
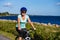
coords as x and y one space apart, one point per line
23 13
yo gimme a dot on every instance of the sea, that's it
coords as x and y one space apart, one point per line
36 18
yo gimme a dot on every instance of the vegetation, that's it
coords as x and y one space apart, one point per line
7 14
42 32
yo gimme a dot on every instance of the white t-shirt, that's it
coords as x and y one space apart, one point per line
22 22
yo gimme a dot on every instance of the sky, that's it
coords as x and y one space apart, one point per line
34 7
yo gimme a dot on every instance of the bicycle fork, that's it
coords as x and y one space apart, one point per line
27 36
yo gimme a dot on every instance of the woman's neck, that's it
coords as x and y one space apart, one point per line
22 15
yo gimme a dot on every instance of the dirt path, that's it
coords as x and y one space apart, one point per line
3 38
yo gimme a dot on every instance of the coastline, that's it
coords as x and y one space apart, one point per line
8 20
44 24
7 15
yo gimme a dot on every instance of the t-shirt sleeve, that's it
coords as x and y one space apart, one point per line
27 16
19 16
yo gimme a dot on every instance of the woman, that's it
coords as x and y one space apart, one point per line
22 20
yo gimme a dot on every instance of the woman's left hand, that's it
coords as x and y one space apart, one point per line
34 28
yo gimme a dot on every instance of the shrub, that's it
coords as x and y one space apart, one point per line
41 33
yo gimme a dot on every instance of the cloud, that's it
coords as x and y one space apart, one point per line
58 3
8 4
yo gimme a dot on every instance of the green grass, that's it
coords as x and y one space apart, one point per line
7 29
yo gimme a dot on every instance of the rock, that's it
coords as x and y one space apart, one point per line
49 24
57 25
44 24
53 24
8 20
36 23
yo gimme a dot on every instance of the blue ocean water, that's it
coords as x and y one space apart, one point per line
41 19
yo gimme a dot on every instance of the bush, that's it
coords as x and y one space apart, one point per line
41 33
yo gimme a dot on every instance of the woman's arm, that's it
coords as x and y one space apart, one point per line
18 23
31 23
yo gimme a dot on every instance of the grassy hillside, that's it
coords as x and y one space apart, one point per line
7 28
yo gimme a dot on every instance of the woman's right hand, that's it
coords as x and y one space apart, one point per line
18 28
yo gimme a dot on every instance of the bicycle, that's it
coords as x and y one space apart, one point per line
27 37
